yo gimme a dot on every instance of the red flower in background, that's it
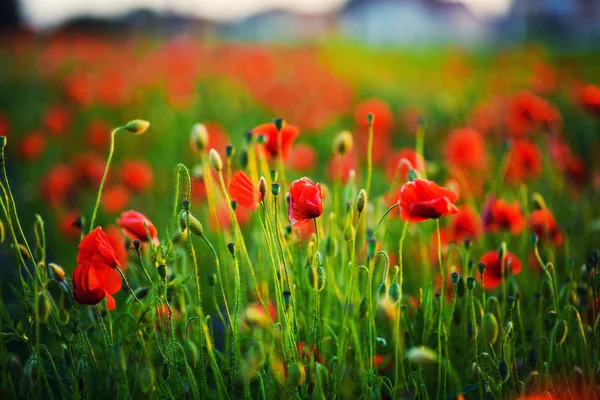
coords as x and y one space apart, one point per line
384 118
67 225
493 268
134 226
399 164
98 135
498 215
542 222
590 99
289 133
303 158
524 161
243 191
466 224
117 240
56 185
422 199
340 166
137 175
242 216
465 149
95 276
528 112
32 146
89 168
306 202
56 120
115 198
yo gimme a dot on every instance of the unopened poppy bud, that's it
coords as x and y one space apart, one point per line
349 233
229 151
370 118
394 293
162 271
287 297
137 126
455 277
43 307
343 142
234 205
279 123
371 247
215 160
560 331
489 328
199 137
243 159
2 141
186 205
471 283
275 189
57 272
361 201
137 245
194 225
2 232
382 291
468 243
503 370
231 248
274 175
475 371
481 267
363 309
248 137
211 279
422 355
538 201
24 252
296 374
321 278
262 187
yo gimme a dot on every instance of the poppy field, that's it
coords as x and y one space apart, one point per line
193 219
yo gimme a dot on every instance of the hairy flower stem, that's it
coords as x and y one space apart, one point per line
219 276
235 350
441 323
128 285
370 157
398 362
106 169
142 264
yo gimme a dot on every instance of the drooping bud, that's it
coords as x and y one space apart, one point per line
538 201
137 126
361 201
199 137
215 160
343 143
489 328
57 272
382 291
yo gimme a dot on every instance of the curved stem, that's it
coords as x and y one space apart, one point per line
383 217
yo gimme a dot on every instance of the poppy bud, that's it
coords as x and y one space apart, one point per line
234 205
57 272
260 139
248 136
349 233
363 309
279 123
275 188
296 374
395 293
382 291
162 271
231 248
186 205
370 118
489 328
560 331
455 277
287 297
343 143
371 248
229 151
137 126
471 283
211 278
475 371
195 225
534 238
481 267
412 175
503 370
199 137
262 187
422 355
2 141
321 278
215 160
137 244
361 201
467 243
244 159
43 307
2 232
502 250
274 175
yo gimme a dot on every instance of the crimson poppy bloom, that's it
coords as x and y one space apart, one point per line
303 158
134 226
466 224
422 199
115 198
243 191
95 276
542 222
590 99
465 149
98 134
525 161
498 215
56 185
340 166
306 202
289 133
400 162
137 175
528 112
32 146
493 268
57 120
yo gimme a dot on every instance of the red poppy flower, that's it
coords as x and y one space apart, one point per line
117 240
137 175
306 202
32 146
134 226
590 99
493 268
542 222
98 135
95 276
525 161
303 158
56 120
384 118
527 112
67 225
465 149
340 166
243 191
466 224
422 199
242 216
115 198
89 168
498 215
56 184
289 133
400 162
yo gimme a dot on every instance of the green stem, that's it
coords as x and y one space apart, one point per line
441 324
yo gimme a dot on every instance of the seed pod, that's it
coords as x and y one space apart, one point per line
454 277
199 137
275 189
560 331
57 272
481 267
412 175
361 201
215 160
471 283
349 233
231 248
510 303
395 293
363 309
279 123
229 151
137 126
43 307
489 328
287 297
262 187
503 370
